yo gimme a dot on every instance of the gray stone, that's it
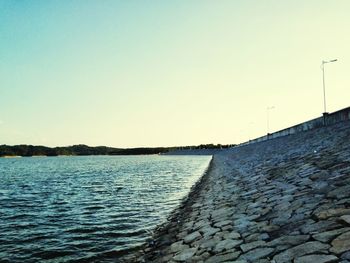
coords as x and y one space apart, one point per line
282 219
301 250
316 258
288 240
226 245
333 212
185 255
223 223
221 213
329 235
255 254
346 219
242 223
209 244
249 246
200 224
227 228
208 231
232 235
341 243
231 255
188 225
182 234
178 246
192 237
318 227
198 258
262 260
320 175
340 192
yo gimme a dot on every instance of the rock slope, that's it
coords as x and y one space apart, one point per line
283 200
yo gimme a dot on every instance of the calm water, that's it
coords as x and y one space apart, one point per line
70 209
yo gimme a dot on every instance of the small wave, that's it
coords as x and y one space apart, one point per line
123 233
84 230
51 254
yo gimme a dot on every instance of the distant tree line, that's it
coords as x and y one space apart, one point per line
81 149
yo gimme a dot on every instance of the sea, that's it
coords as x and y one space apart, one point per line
88 208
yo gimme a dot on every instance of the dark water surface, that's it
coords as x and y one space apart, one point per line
85 209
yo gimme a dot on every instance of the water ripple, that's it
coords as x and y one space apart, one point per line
87 209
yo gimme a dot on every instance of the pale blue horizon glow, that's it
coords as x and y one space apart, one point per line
164 73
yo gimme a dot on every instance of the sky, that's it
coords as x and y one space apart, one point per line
167 73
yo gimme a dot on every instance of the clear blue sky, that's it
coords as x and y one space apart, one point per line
162 73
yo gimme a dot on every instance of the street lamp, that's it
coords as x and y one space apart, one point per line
268 118
324 84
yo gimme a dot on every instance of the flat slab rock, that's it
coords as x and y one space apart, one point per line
192 237
227 244
346 218
185 255
333 212
249 246
316 259
227 257
327 236
341 243
258 253
301 250
288 240
178 246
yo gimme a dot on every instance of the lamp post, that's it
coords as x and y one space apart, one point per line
324 84
268 118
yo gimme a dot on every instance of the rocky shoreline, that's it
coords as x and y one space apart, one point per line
284 200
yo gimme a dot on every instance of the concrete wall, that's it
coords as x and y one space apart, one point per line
326 119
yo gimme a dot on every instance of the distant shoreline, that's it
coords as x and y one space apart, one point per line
85 150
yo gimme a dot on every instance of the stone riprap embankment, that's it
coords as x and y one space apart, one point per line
283 200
